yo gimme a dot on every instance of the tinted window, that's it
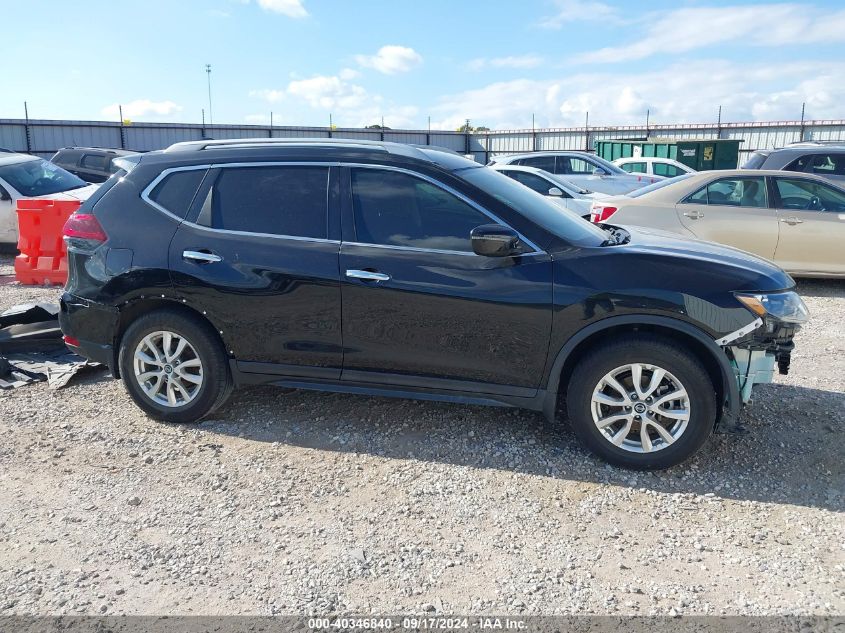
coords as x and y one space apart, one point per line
664 169
401 210
532 181
799 164
275 200
540 162
95 161
732 192
176 191
634 168
806 195
829 164
663 183
756 160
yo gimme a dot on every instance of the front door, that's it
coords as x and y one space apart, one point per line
258 254
733 211
811 216
420 308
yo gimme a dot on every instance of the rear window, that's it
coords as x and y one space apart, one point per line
176 191
288 201
756 160
658 185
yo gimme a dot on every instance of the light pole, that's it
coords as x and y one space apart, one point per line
208 75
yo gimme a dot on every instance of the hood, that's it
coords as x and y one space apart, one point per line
81 194
752 273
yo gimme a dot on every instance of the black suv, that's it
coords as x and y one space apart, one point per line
391 270
92 164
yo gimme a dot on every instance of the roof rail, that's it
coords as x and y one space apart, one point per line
242 143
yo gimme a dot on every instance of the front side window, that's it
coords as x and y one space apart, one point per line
398 209
732 192
39 178
799 164
278 200
806 195
634 168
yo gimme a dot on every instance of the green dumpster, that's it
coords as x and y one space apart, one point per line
700 154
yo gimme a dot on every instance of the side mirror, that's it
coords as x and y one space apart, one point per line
556 192
598 171
495 240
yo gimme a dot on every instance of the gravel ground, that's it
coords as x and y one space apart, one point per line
315 503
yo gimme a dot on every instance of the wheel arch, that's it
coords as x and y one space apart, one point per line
132 310
703 346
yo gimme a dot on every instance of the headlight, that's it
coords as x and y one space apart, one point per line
783 306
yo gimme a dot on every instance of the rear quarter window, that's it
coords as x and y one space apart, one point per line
176 191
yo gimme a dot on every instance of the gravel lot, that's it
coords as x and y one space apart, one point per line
308 502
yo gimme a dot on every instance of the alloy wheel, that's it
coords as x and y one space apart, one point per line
641 408
168 368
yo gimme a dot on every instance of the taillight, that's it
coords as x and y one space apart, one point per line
84 226
600 213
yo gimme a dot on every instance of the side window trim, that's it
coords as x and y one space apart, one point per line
495 219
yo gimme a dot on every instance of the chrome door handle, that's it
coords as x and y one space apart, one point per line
367 275
694 215
792 221
203 258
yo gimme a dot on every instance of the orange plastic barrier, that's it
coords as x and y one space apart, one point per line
43 258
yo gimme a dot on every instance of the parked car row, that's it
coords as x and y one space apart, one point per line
384 269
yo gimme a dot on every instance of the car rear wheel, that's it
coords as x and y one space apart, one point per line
641 403
174 367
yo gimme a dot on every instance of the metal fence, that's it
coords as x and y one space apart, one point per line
43 137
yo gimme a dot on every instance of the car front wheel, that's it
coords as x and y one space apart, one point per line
642 403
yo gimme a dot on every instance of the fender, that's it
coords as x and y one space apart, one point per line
727 415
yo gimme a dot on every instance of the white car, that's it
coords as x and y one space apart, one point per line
653 165
557 189
25 176
582 169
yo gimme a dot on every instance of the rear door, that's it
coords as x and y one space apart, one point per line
733 211
259 253
811 216
420 308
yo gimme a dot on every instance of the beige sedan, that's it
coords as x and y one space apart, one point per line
796 220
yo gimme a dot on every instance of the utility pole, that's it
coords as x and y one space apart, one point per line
208 75
801 139
26 128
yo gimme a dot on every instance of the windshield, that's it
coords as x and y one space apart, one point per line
636 193
755 161
39 178
535 207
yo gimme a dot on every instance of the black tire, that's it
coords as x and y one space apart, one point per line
217 381
651 350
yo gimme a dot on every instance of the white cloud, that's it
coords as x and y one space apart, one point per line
514 61
290 8
391 59
687 29
328 92
578 11
348 73
673 95
273 96
142 108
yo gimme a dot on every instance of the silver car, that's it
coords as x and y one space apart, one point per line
582 169
822 159
557 189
